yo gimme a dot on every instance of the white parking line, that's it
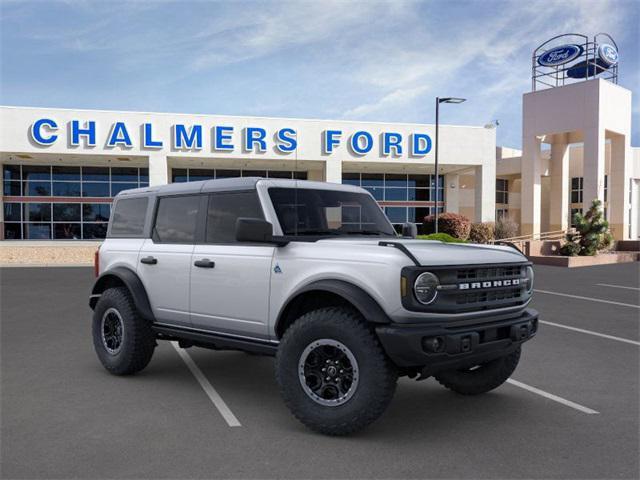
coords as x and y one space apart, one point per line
211 392
555 398
600 300
616 286
590 332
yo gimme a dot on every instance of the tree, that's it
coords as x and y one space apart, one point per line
591 235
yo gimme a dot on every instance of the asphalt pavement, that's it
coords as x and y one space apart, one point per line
572 410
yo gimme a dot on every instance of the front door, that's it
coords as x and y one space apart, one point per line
164 263
230 280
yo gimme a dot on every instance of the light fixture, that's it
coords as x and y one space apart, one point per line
451 100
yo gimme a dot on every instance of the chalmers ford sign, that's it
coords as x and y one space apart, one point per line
221 138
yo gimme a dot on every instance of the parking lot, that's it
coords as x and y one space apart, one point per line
570 411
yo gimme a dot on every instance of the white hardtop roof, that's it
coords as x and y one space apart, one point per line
238 183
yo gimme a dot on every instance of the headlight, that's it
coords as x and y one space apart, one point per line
529 279
425 288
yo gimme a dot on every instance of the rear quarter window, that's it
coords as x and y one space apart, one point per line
128 217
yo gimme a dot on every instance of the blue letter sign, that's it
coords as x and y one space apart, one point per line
331 138
357 147
182 139
253 136
89 131
147 138
119 136
421 144
391 140
36 131
286 140
222 136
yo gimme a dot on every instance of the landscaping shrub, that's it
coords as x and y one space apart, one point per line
442 237
506 228
453 224
592 233
482 232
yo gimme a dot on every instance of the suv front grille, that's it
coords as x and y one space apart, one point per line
483 273
494 296
474 289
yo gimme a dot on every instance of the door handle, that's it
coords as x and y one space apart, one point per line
149 260
204 263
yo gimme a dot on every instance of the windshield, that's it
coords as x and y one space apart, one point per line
303 211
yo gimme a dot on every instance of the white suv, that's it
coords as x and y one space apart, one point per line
314 274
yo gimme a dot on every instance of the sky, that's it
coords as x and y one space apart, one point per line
344 60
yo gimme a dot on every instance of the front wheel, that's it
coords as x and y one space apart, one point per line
332 372
480 378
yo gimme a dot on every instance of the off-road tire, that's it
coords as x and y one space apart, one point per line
138 341
486 377
377 375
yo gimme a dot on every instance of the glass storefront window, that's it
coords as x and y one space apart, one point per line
37 189
96 212
396 214
11 172
12 189
13 231
37 212
220 173
69 231
95 189
393 180
254 173
395 194
95 174
36 172
372 179
66 189
94 230
196 174
37 231
60 219
66 173
12 212
377 192
116 188
66 212
124 174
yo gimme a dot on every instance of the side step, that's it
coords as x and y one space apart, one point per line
216 341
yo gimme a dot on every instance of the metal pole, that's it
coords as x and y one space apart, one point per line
436 165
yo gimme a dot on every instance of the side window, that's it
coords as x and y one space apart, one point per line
176 219
224 210
128 217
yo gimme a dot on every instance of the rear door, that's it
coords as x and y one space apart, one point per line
164 263
230 280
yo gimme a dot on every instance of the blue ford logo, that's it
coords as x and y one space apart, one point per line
560 55
608 54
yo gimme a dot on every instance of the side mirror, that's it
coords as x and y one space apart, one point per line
253 230
409 230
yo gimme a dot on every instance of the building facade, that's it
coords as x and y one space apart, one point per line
62 168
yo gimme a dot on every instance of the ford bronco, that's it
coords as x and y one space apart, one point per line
314 274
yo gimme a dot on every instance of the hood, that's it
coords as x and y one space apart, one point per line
432 252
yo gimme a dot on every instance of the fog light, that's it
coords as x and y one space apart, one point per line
433 344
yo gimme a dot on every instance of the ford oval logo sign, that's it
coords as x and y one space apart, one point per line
608 54
560 55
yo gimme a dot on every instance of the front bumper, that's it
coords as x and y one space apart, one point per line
439 347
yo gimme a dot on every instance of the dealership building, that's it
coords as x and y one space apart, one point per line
62 167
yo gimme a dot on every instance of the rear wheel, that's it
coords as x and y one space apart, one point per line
480 378
332 372
123 340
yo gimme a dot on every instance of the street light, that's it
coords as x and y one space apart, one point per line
438 102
